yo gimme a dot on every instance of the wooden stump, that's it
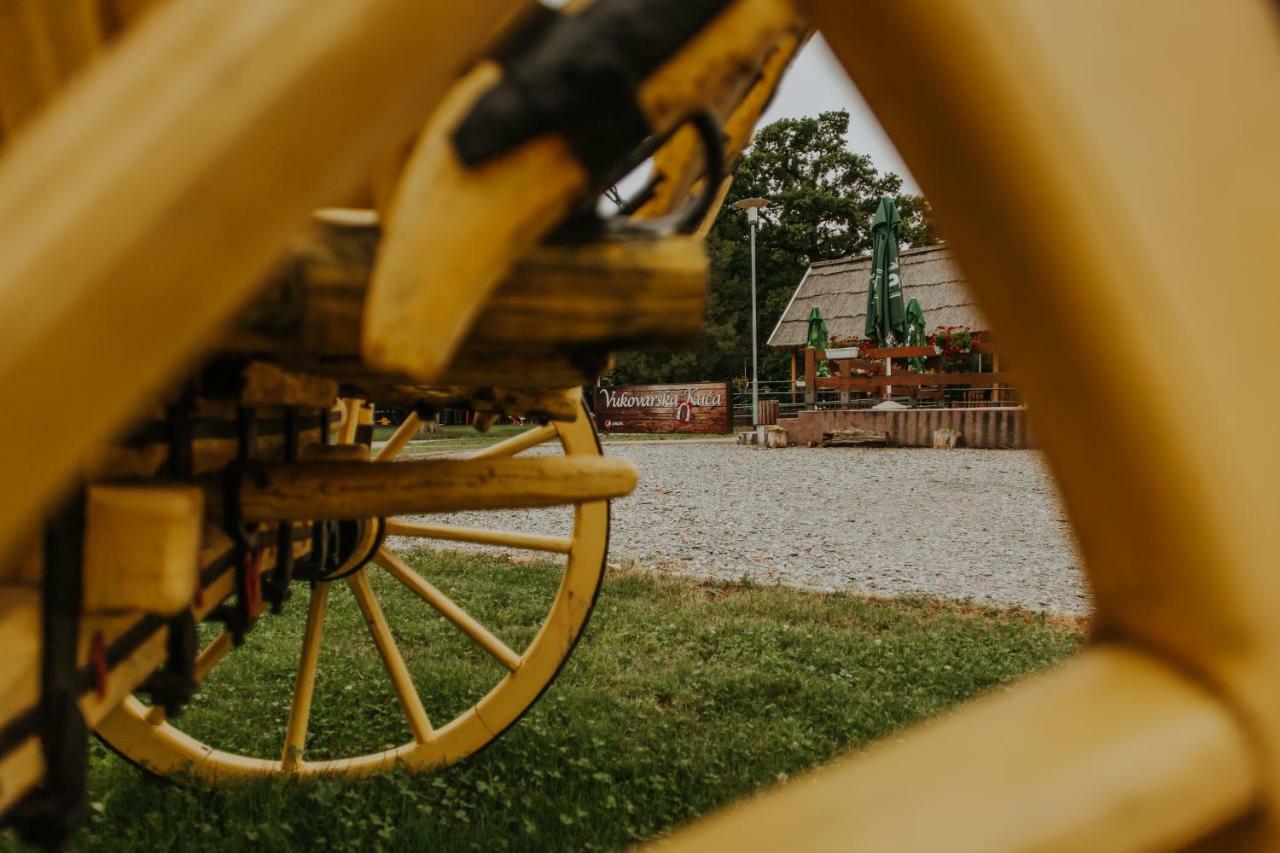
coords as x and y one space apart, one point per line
945 439
855 438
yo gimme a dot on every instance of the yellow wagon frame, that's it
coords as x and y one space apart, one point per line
1108 175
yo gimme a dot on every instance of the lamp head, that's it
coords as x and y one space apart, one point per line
752 207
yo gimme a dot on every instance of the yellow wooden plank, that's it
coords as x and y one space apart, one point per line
1109 752
362 489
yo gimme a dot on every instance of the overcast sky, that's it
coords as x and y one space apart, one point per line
816 82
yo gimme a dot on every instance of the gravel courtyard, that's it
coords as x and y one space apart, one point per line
984 525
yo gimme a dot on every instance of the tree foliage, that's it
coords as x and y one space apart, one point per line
821 199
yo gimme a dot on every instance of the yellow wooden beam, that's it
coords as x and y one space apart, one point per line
302 491
1111 751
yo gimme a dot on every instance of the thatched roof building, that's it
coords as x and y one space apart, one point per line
839 289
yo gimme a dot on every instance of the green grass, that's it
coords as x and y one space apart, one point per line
680 698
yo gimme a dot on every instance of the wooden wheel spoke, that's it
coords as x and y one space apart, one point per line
304 685
464 621
517 443
399 438
350 420
401 681
480 536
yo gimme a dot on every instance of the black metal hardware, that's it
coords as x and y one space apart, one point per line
577 75
48 814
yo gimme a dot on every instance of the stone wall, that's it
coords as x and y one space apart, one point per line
1002 428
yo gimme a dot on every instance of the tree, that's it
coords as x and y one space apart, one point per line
821 200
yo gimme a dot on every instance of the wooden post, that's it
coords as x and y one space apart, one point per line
793 377
995 386
844 371
810 378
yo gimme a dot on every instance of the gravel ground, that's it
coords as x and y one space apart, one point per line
985 525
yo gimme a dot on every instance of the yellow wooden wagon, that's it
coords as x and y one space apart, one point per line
228 228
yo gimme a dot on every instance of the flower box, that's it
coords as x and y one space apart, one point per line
842 352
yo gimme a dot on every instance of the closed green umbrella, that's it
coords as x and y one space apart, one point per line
886 315
915 332
817 336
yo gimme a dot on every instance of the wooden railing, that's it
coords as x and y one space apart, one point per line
883 372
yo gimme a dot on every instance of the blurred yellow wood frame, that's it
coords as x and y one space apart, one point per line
1107 172
440 205
137 212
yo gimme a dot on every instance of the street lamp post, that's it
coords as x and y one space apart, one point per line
752 207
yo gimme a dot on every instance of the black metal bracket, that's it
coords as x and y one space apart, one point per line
587 225
173 685
278 587
577 75
239 617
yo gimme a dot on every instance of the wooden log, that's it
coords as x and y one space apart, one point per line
810 377
855 438
328 490
555 404
945 439
607 295
269 385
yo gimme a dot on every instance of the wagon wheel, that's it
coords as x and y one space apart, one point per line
143 735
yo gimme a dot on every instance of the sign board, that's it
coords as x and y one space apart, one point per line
695 407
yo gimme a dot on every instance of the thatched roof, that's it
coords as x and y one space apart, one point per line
839 289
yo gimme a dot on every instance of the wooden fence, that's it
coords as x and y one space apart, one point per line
883 372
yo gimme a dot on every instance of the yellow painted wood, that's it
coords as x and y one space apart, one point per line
718 65
517 443
303 491
166 166
480 536
414 321
403 434
1112 751
141 548
266 384
20 622
462 620
401 681
415 328
625 294
42 46
295 737
679 161
350 421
